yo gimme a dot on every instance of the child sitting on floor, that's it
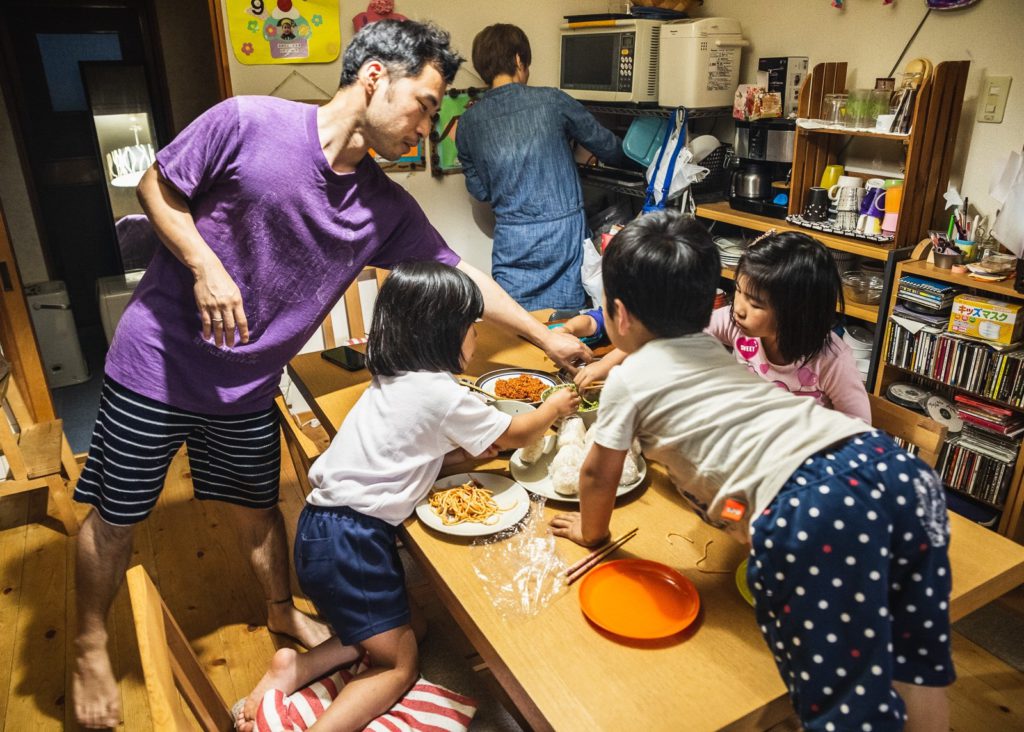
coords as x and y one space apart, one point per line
413 418
848 562
780 324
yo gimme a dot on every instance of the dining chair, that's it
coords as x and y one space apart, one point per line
170 668
355 318
923 432
38 455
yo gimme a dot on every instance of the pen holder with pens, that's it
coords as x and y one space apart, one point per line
944 253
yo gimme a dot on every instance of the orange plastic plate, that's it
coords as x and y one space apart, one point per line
638 598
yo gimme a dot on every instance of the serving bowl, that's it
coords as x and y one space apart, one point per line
862 287
587 412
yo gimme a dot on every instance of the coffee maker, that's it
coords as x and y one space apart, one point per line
763 162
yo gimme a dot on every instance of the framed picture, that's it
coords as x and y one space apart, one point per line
444 155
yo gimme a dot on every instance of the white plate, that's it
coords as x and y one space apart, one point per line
534 477
509 495
488 381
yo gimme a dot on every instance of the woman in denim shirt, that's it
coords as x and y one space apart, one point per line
514 146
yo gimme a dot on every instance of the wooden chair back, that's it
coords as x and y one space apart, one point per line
170 666
354 319
303 449
37 453
916 429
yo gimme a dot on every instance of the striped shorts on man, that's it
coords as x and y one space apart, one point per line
234 458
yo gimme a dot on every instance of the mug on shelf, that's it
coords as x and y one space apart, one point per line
893 197
845 181
889 222
874 183
816 204
831 175
871 194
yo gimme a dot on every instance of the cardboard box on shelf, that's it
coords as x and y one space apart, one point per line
985 318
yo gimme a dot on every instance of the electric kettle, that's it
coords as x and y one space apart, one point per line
751 181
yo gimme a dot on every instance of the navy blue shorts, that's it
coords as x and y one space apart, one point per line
850 574
234 458
348 565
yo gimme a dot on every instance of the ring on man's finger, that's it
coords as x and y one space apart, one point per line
216 320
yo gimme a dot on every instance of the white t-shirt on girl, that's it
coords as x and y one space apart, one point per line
721 432
388 452
831 377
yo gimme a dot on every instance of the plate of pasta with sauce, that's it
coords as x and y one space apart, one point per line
473 504
523 385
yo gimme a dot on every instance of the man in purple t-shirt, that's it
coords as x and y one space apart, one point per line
267 209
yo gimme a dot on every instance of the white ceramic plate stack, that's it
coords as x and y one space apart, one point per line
859 339
729 250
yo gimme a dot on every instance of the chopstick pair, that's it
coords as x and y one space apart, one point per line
590 561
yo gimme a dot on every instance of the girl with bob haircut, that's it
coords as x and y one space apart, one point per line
788 299
413 418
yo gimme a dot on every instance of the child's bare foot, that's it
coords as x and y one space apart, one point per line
281 675
286 619
94 689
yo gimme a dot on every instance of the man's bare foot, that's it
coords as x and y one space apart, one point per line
94 690
286 619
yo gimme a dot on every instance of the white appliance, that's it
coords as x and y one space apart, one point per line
610 60
54 323
700 62
114 293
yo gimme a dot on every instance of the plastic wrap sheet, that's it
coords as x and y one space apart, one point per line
519 567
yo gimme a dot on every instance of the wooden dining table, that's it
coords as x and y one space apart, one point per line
564 673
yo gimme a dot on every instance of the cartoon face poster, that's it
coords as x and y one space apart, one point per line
284 31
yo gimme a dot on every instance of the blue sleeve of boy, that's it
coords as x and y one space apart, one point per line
598 315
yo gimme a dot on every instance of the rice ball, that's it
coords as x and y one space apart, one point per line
534 451
572 432
630 472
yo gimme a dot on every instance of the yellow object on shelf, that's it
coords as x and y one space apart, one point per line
985 318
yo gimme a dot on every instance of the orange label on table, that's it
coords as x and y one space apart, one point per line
734 510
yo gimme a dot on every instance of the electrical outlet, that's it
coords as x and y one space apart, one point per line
992 100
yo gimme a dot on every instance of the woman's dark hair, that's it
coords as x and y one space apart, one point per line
422 314
665 270
403 46
495 49
795 275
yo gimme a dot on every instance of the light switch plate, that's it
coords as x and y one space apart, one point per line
992 100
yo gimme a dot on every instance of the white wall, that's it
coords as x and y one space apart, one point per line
870 35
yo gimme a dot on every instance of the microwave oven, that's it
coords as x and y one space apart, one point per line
611 61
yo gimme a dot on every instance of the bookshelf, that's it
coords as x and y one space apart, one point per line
954 366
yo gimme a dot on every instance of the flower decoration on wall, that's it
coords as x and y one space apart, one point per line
253 25
247 49
317 19
377 10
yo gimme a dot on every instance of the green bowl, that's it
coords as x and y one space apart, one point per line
588 413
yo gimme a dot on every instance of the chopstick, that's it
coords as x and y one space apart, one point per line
590 561
474 387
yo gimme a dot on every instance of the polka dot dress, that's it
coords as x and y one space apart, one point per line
851 578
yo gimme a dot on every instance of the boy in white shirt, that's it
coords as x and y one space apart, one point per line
848 532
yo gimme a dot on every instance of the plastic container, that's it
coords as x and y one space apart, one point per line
643 138
862 287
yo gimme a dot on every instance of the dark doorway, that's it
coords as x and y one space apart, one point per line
42 51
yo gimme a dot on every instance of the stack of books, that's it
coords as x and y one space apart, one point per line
979 464
936 296
988 369
988 416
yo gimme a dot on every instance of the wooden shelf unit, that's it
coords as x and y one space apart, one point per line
927 151
1011 523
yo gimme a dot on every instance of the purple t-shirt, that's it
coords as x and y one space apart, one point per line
290 231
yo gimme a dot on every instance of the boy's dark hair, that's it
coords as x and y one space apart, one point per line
404 47
665 270
495 49
795 275
422 314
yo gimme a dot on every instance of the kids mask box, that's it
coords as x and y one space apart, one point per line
990 320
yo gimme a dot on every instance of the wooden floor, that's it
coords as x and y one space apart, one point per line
205 580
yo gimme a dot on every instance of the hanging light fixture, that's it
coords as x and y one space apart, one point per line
125 165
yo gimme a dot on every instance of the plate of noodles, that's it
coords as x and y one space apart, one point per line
474 504
525 385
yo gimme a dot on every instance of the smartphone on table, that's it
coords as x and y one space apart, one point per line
347 357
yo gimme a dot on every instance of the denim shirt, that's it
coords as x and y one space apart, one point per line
514 146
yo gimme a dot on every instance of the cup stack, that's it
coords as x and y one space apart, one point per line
860 340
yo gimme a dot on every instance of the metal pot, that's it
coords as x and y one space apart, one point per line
751 181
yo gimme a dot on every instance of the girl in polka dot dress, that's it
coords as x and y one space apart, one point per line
848 532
